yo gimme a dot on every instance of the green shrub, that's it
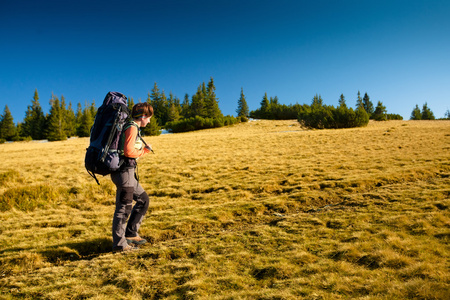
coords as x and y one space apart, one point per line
28 198
242 119
324 116
394 117
198 123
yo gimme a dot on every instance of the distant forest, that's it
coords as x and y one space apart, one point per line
200 111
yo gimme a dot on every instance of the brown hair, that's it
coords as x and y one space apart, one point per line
142 109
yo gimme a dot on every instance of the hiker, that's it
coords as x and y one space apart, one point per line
128 218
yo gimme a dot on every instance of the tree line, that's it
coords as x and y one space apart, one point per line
201 111
193 113
319 115
198 112
425 113
60 123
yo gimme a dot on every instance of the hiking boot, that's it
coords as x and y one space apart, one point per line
128 248
137 240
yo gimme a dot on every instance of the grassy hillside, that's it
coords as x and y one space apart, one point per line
260 210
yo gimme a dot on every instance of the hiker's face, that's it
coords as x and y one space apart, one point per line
145 121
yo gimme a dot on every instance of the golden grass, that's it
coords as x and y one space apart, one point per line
259 210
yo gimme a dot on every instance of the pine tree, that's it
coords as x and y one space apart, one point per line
78 116
342 101
368 105
359 101
62 107
317 101
86 120
380 112
361 117
34 121
7 128
159 103
198 103
165 108
152 128
342 115
71 124
427 114
55 130
211 101
416 114
265 107
174 108
275 108
68 118
186 107
130 103
93 109
242 110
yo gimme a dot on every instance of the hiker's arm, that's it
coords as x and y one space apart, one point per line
130 140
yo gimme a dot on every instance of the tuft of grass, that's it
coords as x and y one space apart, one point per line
29 197
10 177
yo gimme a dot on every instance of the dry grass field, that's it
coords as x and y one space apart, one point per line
259 210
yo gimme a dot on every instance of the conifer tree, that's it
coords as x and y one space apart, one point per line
368 105
130 103
198 103
265 107
68 118
86 120
211 101
242 110
78 116
165 107
416 114
361 117
174 108
152 128
342 115
342 101
274 101
93 109
186 107
34 121
159 103
359 101
317 101
427 114
7 127
275 108
380 113
70 121
55 129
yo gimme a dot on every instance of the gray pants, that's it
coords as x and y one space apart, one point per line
128 189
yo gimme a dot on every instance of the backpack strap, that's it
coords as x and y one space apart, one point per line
93 176
129 124
122 136
125 127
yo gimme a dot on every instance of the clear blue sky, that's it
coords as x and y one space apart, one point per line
398 51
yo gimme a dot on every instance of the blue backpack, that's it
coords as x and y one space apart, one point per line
102 155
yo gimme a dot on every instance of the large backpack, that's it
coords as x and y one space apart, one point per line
102 155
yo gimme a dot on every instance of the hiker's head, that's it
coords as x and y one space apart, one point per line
142 112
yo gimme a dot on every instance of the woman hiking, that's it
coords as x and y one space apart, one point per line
128 218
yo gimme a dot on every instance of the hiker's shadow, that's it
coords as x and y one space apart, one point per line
85 250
